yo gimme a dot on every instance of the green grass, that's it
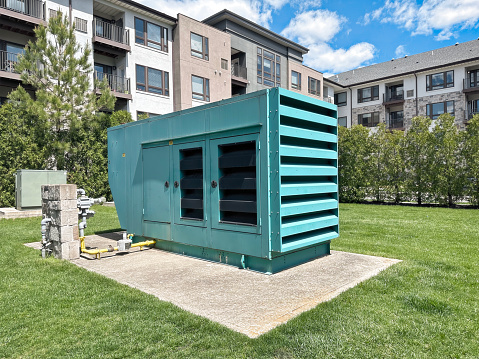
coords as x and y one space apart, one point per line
424 307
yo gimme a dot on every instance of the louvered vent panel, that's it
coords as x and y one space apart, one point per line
237 183
191 167
309 174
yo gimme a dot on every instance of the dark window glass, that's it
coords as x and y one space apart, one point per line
140 78
440 80
314 86
369 119
152 35
268 68
434 110
296 80
200 88
368 94
343 121
199 46
340 99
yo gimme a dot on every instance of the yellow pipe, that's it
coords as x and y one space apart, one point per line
97 252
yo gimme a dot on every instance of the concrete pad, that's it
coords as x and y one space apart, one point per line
245 301
11 213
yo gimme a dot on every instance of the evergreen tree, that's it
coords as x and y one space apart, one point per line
419 158
447 172
60 71
471 156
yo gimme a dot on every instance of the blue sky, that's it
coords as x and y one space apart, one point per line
346 34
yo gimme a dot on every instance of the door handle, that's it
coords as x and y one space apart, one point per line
167 184
176 184
214 184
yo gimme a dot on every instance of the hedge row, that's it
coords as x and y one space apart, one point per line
433 162
24 144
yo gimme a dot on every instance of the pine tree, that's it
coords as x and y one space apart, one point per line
60 72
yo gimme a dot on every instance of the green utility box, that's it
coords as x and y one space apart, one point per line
250 181
28 186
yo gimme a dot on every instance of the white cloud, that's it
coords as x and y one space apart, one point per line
445 16
323 57
314 29
254 10
314 26
400 51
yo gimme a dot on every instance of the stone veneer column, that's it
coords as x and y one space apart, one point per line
59 203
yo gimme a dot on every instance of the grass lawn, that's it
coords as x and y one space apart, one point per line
425 307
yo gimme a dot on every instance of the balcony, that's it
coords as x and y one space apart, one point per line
239 75
393 97
395 122
113 40
7 65
328 99
470 113
120 86
469 86
29 12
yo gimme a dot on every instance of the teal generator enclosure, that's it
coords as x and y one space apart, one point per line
251 181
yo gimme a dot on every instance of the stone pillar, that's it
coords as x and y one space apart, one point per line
59 203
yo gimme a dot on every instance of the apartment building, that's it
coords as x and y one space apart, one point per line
155 63
201 57
445 80
132 47
262 59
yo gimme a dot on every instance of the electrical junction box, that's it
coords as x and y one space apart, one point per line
251 181
28 186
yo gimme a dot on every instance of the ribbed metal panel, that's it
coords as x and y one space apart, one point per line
308 173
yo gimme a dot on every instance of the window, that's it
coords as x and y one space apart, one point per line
151 35
140 115
440 80
52 13
199 46
152 80
409 93
343 121
296 80
81 25
340 99
473 79
224 64
434 110
268 68
369 119
314 86
200 88
368 94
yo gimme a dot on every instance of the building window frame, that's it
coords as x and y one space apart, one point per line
142 115
141 35
143 84
316 89
341 119
205 94
296 85
374 119
224 64
274 75
337 99
447 81
373 94
204 52
430 107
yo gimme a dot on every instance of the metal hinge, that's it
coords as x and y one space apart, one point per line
143 211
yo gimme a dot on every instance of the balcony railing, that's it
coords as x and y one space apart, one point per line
34 8
116 83
470 113
8 61
393 96
395 122
328 99
239 71
111 31
468 84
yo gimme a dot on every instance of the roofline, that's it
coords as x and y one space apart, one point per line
149 9
405 73
227 13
